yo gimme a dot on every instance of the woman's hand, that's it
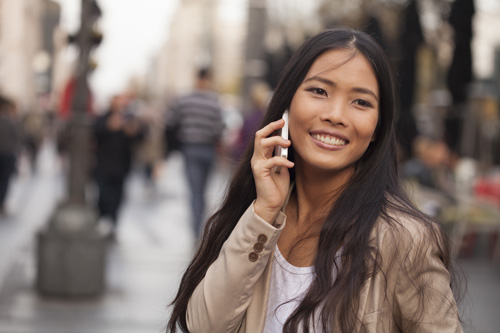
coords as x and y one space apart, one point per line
272 188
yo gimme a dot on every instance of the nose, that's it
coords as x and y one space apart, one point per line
334 113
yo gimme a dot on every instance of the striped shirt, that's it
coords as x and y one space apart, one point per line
199 118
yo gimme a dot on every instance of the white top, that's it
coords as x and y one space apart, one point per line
289 284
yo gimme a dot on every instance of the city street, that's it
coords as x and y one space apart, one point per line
144 265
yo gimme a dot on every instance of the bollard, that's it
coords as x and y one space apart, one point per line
71 254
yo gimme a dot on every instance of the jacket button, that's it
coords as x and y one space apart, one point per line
253 256
262 238
258 247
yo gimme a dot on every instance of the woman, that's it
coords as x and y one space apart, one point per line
331 243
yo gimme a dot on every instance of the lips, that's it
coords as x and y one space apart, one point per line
328 139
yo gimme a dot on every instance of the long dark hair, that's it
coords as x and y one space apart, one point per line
373 189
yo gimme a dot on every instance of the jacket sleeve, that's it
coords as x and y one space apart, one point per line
219 302
424 301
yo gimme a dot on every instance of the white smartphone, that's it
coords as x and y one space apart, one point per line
283 132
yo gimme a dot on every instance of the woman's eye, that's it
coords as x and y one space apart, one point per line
318 91
362 102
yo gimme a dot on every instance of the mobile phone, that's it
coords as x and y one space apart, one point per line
283 132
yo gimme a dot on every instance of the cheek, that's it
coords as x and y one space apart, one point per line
301 114
295 118
293 127
371 132
367 127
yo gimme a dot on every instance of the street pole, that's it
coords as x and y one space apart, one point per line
71 251
79 159
255 65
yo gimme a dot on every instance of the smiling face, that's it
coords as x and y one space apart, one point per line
334 112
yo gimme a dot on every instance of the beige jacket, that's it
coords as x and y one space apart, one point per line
233 295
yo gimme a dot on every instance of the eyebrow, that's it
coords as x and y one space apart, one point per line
320 79
333 84
366 91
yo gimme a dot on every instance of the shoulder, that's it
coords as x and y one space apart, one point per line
404 235
196 98
399 224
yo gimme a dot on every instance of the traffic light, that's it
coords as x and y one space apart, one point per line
89 33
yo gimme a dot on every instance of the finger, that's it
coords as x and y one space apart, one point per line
282 163
265 146
264 167
269 129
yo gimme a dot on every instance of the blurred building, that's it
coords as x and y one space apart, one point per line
202 33
217 32
28 54
226 34
486 39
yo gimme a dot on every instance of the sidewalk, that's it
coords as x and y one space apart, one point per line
30 201
481 305
144 266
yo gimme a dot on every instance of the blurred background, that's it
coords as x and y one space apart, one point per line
67 66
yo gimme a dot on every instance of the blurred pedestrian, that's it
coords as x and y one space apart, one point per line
429 174
431 163
33 129
66 112
115 134
260 93
10 142
150 151
330 243
198 119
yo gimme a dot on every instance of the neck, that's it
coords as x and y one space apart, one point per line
317 191
203 85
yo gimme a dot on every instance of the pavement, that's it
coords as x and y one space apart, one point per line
144 266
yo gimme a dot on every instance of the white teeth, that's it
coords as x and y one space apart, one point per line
330 140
